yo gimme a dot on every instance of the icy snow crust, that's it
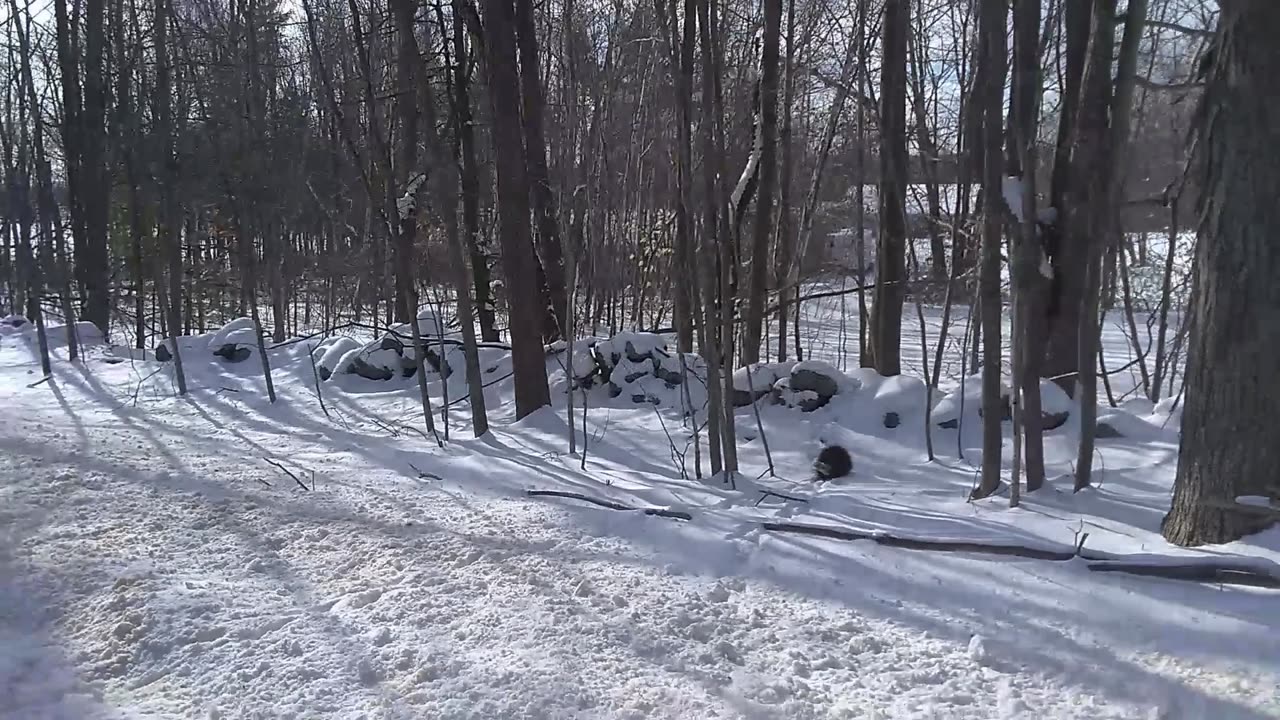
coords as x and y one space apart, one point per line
154 565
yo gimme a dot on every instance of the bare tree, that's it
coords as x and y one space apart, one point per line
890 293
528 363
992 25
1228 446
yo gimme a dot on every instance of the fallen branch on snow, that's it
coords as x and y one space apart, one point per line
1205 573
1219 574
286 472
769 493
612 505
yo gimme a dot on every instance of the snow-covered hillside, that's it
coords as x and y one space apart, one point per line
216 556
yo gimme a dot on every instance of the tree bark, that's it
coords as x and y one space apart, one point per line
550 249
753 333
523 301
1069 261
1088 220
1230 445
1028 282
96 272
166 173
991 94
470 179
890 293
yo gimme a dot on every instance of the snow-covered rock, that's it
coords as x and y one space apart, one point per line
235 345
392 355
753 382
810 385
331 360
232 331
1055 406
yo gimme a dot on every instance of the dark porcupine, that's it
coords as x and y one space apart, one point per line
833 462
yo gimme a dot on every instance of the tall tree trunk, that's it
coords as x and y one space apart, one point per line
784 244
890 293
550 249
528 360
1088 222
753 333
991 92
69 52
1028 282
679 41
1068 260
49 214
470 177
708 261
444 186
93 131
166 173
1229 444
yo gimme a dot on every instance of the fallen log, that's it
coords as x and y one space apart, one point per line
914 544
1217 574
611 504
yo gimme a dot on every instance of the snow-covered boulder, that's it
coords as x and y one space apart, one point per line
235 345
1055 406
87 334
810 385
191 346
329 363
233 330
899 396
804 400
637 366
968 397
393 354
753 382
818 377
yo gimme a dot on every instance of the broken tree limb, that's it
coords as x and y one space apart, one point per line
781 496
611 504
1214 574
296 479
1221 574
914 544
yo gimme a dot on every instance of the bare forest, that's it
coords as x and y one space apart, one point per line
543 172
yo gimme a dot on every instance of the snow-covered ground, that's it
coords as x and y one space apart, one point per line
153 563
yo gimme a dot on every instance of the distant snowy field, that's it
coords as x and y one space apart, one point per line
153 564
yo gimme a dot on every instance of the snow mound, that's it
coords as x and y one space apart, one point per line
86 333
755 381
336 351
393 354
234 332
638 368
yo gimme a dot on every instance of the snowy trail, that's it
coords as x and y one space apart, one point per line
147 571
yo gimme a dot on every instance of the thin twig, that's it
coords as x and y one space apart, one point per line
287 472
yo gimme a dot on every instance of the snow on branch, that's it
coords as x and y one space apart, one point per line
406 204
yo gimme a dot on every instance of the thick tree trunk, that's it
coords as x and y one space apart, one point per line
784 244
991 95
753 333
1069 261
886 320
166 226
1230 443
1088 225
1029 283
523 301
550 249
470 179
444 185
96 272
